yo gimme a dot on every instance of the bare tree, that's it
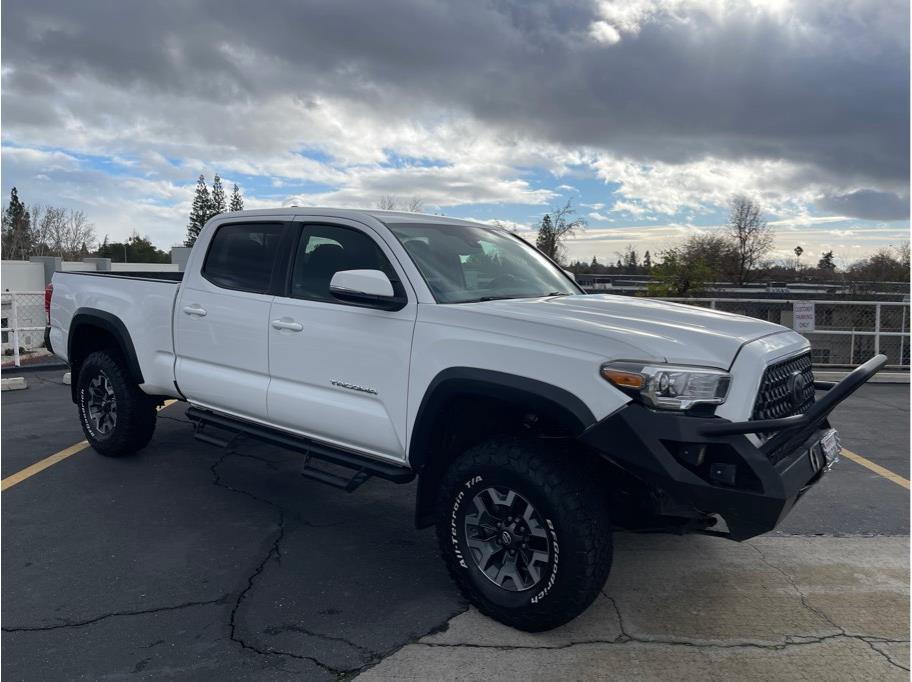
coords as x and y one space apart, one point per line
52 231
62 232
388 202
414 204
79 235
501 225
752 237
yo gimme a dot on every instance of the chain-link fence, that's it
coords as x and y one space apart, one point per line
842 333
23 323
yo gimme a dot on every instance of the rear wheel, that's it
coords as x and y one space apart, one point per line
117 417
524 532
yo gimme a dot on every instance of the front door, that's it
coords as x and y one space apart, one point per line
221 320
339 371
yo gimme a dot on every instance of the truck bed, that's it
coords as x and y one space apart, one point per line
142 302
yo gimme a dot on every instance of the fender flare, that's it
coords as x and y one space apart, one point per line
568 408
92 317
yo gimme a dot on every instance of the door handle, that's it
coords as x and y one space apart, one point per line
195 309
287 323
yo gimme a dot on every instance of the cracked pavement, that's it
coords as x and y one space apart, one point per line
194 562
689 607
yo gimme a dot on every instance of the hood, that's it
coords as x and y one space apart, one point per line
624 327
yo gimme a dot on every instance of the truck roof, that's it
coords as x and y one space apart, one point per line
386 217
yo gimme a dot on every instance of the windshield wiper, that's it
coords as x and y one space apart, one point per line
506 298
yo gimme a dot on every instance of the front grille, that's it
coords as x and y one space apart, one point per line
778 396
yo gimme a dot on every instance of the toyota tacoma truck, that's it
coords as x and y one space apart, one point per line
537 419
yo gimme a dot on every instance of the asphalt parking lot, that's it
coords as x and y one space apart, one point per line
192 562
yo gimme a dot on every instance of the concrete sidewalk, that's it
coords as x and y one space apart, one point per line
702 608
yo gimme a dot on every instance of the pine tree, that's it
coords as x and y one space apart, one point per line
199 212
827 262
217 197
237 201
17 229
546 241
647 261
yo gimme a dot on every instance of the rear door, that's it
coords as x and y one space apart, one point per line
221 319
340 370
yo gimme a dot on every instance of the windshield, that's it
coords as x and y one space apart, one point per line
463 264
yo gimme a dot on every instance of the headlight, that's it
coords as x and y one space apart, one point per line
669 387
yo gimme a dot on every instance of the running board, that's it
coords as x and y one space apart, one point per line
364 467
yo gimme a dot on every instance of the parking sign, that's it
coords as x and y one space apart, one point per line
803 316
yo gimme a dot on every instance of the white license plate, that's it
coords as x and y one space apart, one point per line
829 448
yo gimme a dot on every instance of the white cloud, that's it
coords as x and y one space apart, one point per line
603 32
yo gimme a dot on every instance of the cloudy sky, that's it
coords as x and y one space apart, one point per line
649 115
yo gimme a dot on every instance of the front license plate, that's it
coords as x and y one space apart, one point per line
825 452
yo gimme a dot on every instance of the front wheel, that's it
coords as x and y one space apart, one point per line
524 532
117 417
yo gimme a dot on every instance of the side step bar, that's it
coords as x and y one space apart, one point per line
364 467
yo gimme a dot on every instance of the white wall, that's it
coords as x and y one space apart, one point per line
21 275
77 266
144 267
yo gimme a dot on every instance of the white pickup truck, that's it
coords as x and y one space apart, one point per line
536 418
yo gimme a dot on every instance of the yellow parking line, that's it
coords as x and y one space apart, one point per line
43 464
876 468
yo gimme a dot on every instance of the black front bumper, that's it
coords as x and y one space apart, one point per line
708 463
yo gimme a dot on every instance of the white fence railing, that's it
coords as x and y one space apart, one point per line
842 333
23 322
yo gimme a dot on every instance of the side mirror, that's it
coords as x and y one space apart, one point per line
369 288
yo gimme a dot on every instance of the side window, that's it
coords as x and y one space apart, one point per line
241 256
324 250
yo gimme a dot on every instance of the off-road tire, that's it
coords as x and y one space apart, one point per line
135 411
574 510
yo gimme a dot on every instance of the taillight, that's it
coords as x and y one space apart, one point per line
48 292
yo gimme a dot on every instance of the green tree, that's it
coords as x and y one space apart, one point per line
17 229
199 211
692 265
237 201
136 249
217 202
546 241
555 227
647 261
826 263
631 261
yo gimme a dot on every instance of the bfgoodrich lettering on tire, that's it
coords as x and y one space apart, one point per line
117 418
524 532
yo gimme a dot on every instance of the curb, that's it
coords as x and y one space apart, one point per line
40 367
13 384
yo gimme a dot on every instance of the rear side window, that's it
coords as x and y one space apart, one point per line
242 256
